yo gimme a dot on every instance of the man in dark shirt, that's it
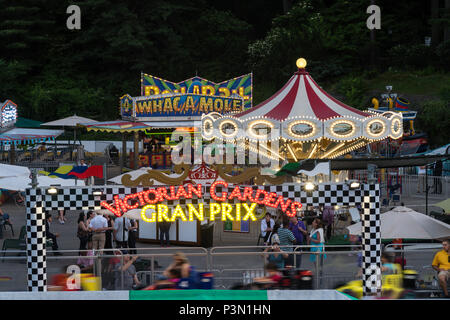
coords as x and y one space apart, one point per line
49 235
299 230
287 238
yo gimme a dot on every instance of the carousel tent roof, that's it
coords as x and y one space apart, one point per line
301 96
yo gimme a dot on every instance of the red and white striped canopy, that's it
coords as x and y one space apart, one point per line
301 96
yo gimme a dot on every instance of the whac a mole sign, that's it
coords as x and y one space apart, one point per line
186 100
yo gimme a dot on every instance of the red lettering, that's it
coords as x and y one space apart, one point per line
158 196
248 191
172 193
235 194
213 191
127 205
258 193
163 192
270 199
283 205
119 206
181 193
197 191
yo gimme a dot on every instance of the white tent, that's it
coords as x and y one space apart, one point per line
7 170
405 223
18 178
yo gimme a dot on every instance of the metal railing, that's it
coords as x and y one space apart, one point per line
230 265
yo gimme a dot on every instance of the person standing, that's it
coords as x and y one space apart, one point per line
164 228
82 232
50 235
441 263
267 225
287 238
121 232
98 225
316 238
109 234
132 236
299 230
62 216
130 279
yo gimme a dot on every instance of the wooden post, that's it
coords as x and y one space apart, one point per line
12 153
123 158
136 149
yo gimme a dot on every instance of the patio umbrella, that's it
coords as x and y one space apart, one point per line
405 223
70 122
444 205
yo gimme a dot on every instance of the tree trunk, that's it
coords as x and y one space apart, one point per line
435 27
287 5
447 27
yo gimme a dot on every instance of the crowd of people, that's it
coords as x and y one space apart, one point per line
286 234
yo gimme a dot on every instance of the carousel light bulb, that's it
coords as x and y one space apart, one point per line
301 63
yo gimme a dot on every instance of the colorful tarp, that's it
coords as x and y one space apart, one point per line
72 172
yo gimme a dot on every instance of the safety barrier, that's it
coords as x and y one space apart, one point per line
230 265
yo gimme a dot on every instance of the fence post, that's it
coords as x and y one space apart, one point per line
153 269
317 271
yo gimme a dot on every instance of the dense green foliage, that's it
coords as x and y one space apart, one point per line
53 72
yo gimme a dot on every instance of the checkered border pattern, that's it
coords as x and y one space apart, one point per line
75 198
81 198
371 239
36 251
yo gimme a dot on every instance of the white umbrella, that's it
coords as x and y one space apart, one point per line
402 222
70 122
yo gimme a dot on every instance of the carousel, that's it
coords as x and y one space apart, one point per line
307 121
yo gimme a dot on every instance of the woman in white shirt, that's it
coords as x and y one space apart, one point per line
316 238
267 225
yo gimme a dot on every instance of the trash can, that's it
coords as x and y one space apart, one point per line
207 234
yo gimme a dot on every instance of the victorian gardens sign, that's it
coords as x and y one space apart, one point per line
220 204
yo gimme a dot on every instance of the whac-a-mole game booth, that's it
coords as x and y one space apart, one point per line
228 198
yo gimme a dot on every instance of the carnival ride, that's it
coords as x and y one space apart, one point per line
401 284
411 142
307 121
